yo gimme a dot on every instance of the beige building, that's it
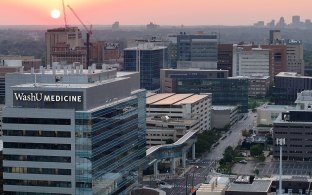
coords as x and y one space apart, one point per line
69 38
295 61
216 186
167 130
170 116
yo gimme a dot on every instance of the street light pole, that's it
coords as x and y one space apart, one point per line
186 177
280 142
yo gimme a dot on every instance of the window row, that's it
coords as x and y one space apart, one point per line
60 159
37 146
38 133
43 121
37 170
63 184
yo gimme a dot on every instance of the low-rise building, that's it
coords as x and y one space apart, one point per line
223 116
166 130
287 85
181 106
268 113
216 186
256 187
304 100
296 127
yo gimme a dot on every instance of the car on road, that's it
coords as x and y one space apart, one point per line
243 161
163 184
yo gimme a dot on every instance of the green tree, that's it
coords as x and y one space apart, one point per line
228 154
256 150
261 157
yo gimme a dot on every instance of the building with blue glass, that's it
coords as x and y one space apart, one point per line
197 51
147 59
72 131
230 91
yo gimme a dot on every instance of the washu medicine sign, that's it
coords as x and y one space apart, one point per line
37 97
48 99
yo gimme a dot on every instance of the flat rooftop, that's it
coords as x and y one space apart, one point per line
195 69
291 74
147 46
191 99
68 86
157 97
255 186
276 108
173 99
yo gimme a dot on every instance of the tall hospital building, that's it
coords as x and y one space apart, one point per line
72 131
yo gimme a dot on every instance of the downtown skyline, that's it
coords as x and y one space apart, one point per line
139 12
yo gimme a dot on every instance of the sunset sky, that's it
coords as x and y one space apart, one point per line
163 12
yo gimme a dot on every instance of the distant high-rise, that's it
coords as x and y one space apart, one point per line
271 24
225 57
197 51
295 61
275 37
296 23
115 26
281 23
62 43
147 59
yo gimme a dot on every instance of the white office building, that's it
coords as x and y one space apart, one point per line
251 62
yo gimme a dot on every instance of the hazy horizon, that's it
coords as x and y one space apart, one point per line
162 12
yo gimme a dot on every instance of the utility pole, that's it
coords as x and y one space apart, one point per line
186 177
280 142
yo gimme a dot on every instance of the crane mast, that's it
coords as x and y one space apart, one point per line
89 33
64 13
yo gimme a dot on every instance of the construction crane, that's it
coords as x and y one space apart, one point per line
89 33
64 14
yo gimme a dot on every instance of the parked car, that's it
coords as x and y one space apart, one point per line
243 161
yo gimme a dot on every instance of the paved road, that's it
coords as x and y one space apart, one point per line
202 170
233 136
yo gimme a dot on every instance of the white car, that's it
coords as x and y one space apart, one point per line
163 184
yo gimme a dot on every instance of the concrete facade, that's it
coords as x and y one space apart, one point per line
69 38
223 116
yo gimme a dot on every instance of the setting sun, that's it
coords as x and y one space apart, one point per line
55 13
